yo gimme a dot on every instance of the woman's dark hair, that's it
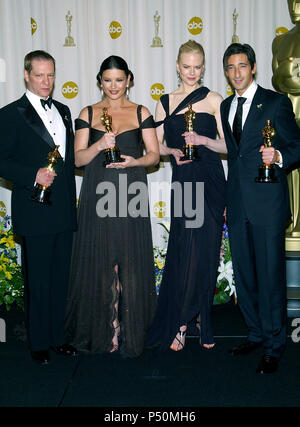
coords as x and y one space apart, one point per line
116 62
237 48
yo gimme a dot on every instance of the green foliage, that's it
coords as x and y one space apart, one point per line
225 281
11 278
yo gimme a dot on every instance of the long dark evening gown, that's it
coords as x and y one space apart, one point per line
102 243
189 277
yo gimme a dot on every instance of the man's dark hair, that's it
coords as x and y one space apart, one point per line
238 48
40 55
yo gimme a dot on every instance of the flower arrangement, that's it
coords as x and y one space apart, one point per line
159 263
225 287
11 278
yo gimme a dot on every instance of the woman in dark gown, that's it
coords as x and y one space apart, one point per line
112 292
188 284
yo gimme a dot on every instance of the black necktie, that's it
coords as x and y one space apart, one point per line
46 102
237 122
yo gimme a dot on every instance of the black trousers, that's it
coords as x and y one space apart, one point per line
46 262
258 256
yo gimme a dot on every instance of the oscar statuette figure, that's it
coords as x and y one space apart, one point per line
266 171
190 151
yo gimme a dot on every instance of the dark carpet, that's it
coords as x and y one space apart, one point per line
191 378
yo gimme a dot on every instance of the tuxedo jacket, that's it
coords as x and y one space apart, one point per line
264 204
24 147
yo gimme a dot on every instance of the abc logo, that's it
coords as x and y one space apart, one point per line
160 209
33 26
115 29
69 90
195 25
3 210
157 90
281 30
229 90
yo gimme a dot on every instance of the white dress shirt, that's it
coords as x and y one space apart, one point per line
249 95
52 120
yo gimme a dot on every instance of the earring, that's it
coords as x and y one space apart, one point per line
101 91
202 76
178 78
127 92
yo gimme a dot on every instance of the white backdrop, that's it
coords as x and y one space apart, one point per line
127 28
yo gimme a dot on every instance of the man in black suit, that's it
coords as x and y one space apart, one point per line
31 127
257 213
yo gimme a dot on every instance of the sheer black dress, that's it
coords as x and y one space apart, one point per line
189 277
101 243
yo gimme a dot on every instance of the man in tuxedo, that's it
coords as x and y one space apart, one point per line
257 213
31 127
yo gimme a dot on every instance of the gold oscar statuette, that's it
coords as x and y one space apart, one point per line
69 41
41 192
112 155
190 152
266 172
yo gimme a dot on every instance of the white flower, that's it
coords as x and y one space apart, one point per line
226 272
5 223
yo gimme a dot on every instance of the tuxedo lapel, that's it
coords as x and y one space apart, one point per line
34 121
227 129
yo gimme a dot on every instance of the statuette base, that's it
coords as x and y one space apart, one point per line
190 152
266 174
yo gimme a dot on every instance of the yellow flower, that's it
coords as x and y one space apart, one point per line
8 275
10 242
159 263
2 259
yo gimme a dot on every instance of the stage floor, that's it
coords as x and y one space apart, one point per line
191 378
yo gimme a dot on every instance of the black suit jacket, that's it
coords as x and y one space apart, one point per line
264 203
25 144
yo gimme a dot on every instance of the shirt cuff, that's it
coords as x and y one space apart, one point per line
280 163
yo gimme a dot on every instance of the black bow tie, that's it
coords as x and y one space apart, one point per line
46 102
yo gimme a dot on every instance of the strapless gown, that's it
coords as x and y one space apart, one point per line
100 244
189 278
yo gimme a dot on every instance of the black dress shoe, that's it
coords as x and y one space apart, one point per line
41 357
267 365
65 350
244 348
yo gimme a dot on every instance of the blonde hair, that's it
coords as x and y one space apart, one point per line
191 46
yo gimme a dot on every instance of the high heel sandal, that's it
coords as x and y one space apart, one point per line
180 343
116 335
206 346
